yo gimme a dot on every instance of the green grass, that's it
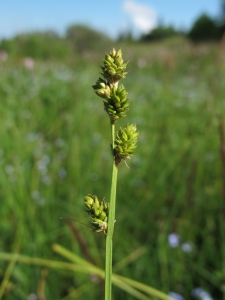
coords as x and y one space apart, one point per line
54 151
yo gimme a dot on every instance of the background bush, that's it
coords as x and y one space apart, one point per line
42 45
84 38
160 33
204 29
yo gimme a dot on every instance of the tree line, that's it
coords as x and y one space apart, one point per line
81 38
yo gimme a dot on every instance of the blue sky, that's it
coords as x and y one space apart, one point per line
111 17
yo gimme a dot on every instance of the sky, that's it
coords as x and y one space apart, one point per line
112 17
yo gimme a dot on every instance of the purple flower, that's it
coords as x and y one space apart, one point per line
173 240
200 293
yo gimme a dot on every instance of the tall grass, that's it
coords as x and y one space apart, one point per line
175 185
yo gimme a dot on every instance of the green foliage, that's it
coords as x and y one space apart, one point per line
49 157
41 45
222 15
48 45
204 29
84 38
125 36
160 33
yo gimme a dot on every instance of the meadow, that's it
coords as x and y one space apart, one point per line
54 150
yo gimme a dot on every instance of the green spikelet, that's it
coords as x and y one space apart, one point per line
117 104
98 212
125 142
102 89
116 101
114 67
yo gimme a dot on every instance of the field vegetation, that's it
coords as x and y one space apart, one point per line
170 215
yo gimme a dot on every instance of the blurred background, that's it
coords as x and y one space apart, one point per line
54 144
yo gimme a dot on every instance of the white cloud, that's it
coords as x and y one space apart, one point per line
143 17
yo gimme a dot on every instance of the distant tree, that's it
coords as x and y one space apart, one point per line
84 38
222 18
125 36
159 33
204 29
223 11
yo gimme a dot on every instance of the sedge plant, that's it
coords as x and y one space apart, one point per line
123 145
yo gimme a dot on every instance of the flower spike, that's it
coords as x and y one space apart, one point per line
117 104
98 212
115 98
114 67
126 142
123 145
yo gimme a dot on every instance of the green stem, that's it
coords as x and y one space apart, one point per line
111 221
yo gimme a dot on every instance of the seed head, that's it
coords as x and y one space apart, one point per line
98 212
114 68
125 142
117 104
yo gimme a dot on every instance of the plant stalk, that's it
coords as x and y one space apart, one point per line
111 221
